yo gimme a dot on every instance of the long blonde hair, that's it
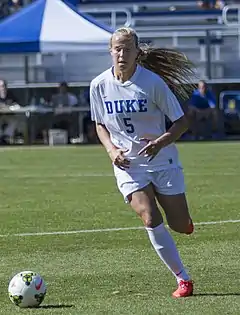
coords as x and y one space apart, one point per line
171 65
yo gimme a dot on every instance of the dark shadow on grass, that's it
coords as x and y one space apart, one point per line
48 306
218 294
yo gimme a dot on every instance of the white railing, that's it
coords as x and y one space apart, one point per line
113 15
235 23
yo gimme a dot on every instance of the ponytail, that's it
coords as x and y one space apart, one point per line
172 66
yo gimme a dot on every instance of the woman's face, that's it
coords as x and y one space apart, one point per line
124 52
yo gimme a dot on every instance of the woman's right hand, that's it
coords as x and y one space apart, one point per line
118 158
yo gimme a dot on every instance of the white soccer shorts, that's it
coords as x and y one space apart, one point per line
167 182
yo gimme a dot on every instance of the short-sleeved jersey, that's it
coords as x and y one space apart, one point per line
136 109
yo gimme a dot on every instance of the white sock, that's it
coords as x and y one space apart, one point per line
166 249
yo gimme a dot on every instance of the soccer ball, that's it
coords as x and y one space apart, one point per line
27 289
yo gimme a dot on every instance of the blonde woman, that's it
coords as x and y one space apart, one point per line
129 102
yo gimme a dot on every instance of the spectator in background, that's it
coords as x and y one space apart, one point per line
64 118
202 112
8 7
6 97
211 4
219 4
9 125
15 6
4 9
205 119
84 97
64 97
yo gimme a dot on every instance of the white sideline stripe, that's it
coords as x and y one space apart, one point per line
106 230
79 175
40 176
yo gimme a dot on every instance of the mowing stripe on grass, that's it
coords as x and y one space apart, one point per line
106 230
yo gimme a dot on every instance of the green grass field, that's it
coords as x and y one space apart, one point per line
116 272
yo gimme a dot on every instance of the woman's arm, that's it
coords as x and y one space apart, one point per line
115 154
173 133
104 137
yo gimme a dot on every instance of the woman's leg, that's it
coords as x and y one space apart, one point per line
144 204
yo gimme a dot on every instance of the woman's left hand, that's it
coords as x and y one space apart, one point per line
151 149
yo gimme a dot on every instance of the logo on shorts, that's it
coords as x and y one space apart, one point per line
169 184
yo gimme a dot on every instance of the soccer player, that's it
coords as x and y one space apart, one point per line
129 102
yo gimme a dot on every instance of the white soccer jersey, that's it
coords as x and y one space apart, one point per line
136 109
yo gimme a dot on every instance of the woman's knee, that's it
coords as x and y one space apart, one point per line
149 214
150 219
144 204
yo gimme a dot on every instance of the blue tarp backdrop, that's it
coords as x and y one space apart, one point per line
51 26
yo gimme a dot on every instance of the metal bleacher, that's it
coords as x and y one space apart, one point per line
174 24
137 4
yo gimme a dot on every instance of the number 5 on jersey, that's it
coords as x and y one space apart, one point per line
129 125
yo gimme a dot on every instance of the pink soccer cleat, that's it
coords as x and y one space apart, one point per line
185 289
